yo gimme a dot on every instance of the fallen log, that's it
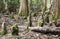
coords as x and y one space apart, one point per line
46 30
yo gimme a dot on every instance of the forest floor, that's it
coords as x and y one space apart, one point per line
23 34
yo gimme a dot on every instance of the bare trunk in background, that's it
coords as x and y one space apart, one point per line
23 7
54 9
5 4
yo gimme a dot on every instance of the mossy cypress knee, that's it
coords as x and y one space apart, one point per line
4 31
29 20
15 29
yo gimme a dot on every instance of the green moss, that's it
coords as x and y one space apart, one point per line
29 21
56 17
12 17
35 14
23 14
27 29
39 24
35 37
15 29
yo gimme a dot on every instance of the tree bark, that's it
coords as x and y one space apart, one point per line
55 9
23 6
5 4
46 30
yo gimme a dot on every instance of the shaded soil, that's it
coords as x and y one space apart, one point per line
23 34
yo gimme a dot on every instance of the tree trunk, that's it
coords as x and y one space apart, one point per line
55 9
24 7
5 4
59 9
43 7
